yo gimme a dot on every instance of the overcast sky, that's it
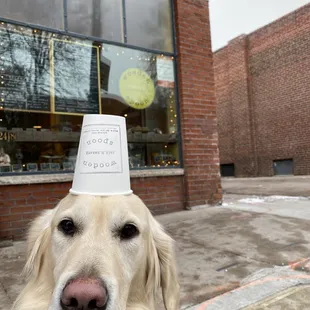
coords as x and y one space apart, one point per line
231 18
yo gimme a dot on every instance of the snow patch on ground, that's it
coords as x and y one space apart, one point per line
285 198
255 199
252 200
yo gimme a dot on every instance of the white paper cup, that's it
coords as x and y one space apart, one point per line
102 166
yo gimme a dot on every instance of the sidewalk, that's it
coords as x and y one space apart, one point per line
220 250
274 288
278 185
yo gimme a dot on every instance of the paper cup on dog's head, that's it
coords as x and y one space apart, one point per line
102 167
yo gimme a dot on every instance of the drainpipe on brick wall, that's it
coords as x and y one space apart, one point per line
251 110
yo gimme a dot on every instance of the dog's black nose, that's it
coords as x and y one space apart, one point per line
84 293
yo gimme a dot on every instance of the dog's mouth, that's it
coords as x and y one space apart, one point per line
84 294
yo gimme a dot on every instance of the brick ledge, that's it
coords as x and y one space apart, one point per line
67 177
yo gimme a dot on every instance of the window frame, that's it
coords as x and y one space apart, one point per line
173 54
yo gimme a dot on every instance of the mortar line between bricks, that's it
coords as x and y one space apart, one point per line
6 292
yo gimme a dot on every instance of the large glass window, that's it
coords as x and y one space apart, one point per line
49 81
149 24
47 13
140 86
97 18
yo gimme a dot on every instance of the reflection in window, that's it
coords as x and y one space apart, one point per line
140 86
76 77
49 81
46 13
25 69
97 18
149 24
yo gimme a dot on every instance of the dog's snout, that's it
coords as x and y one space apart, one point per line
84 294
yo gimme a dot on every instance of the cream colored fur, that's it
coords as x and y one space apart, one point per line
134 270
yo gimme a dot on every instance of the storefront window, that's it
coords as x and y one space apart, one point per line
97 18
140 86
46 13
149 24
49 81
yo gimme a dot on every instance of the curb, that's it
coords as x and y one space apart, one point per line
258 290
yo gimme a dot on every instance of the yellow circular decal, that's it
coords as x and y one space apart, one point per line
137 88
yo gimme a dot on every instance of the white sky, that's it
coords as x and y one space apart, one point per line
231 18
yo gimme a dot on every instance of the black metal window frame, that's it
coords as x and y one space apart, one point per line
173 54
66 32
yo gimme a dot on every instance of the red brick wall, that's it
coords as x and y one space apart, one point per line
21 203
197 103
262 90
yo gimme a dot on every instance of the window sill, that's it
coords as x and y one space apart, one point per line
67 177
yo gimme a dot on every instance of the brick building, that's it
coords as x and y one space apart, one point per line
172 132
262 89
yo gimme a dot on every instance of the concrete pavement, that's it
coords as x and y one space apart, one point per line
221 250
266 186
274 288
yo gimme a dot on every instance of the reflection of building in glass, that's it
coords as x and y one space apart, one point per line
105 65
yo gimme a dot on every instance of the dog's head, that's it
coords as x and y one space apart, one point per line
105 253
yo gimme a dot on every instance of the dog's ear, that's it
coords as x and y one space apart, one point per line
39 236
162 271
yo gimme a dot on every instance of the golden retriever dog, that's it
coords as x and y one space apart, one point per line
105 253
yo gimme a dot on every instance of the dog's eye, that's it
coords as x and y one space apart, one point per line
67 227
128 231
